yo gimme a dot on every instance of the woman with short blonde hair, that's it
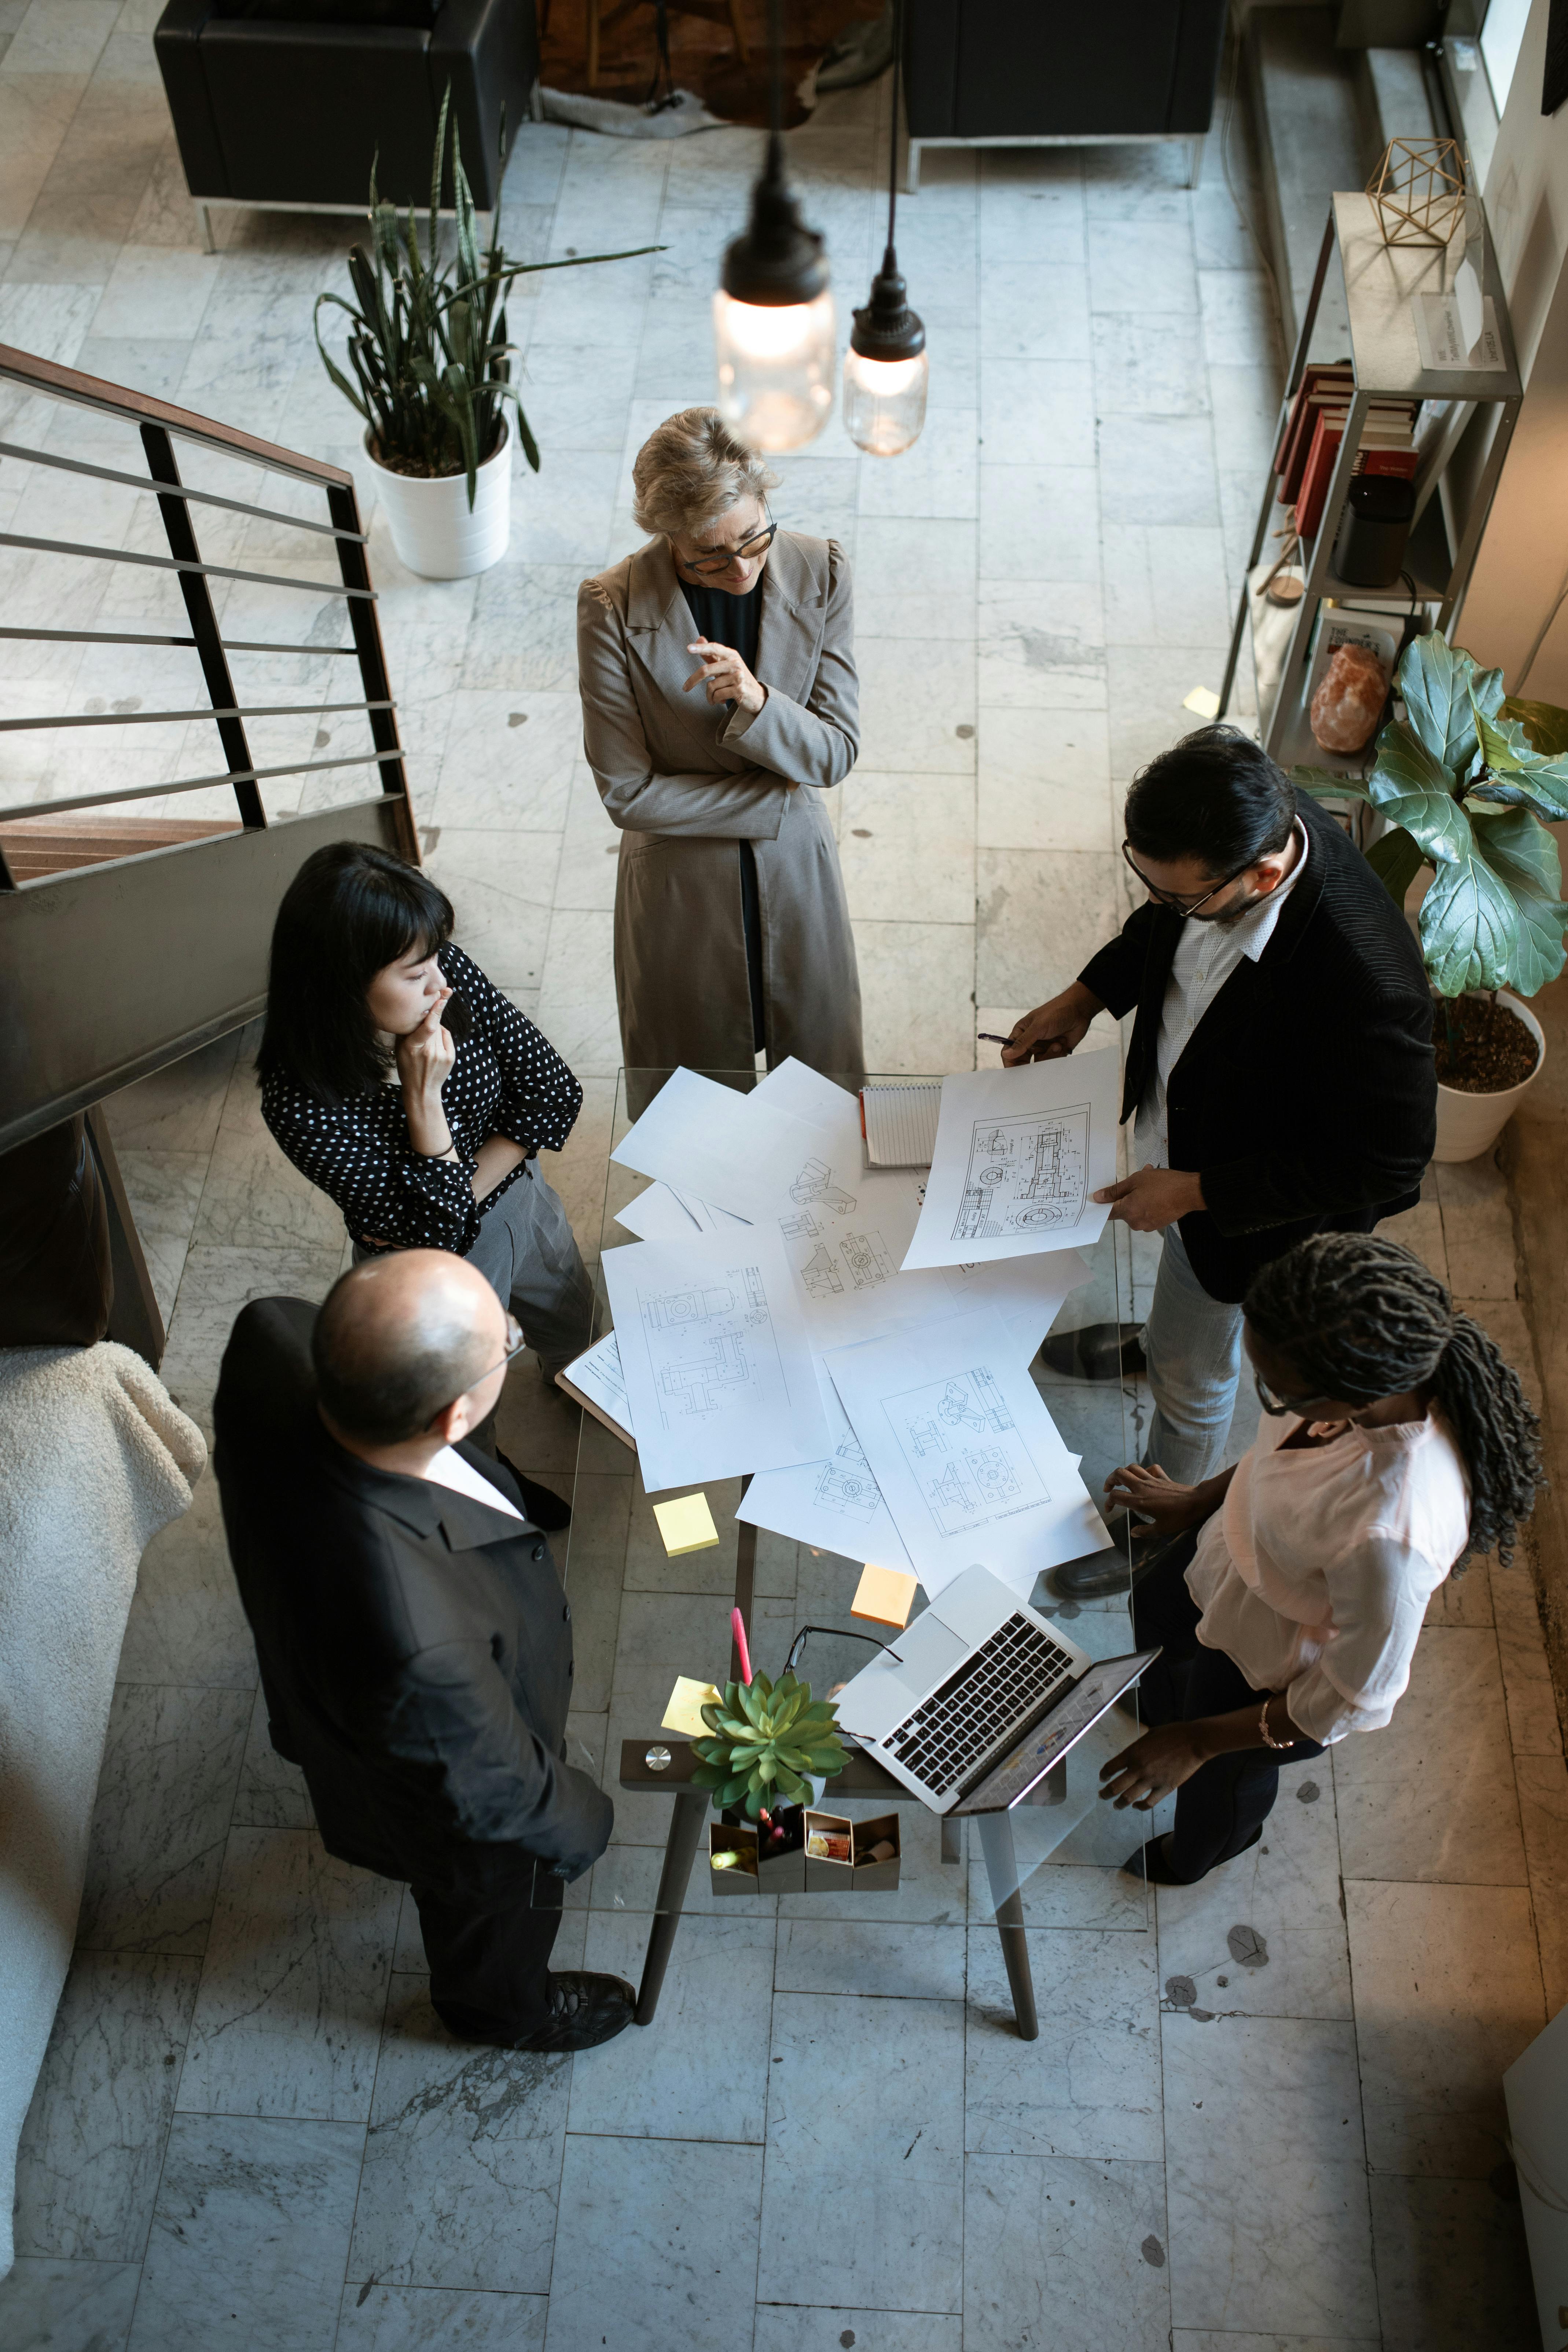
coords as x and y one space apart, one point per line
719 701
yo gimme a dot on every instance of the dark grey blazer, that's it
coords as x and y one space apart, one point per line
416 1645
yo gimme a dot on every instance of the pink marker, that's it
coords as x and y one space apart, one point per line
738 1627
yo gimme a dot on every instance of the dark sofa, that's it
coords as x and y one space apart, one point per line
287 101
998 70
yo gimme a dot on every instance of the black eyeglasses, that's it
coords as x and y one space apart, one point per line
1178 905
516 1341
1273 1403
747 553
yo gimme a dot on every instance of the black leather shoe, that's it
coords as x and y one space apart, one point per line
1100 1351
584 2011
549 1511
1104 1572
1150 1864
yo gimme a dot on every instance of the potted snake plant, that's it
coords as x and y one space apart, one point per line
1463 782
433 372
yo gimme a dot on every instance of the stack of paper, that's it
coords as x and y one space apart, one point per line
783 1296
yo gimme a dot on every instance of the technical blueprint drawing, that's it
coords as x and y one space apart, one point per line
814 1183
835 1505
1020 1155
1025 1175
715 1357
962 1446
969 1464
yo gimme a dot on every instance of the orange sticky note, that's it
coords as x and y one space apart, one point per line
884 1596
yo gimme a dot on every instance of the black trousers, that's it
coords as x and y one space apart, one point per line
489 1965
1228 1798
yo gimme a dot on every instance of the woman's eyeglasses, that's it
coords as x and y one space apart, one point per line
1273 1403
747 553
1177 904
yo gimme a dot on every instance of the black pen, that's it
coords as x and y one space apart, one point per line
989 1038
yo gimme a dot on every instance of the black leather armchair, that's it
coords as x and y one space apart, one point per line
286 102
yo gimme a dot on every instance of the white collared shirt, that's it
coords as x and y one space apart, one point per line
448 1468
1314 1574
1206 954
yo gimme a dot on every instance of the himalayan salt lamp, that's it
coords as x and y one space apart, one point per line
1346 705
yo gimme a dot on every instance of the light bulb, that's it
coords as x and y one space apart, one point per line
884 401
775 369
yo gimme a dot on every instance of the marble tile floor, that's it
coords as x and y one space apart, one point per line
1263 2112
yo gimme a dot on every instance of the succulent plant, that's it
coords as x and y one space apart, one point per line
766 1738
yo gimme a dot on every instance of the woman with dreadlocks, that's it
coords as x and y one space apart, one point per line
1397 1443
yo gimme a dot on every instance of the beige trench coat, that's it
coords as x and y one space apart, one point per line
687 782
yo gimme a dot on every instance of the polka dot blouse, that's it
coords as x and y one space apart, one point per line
506 1080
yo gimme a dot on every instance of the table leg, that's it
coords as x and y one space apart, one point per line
1001 1868
680 1850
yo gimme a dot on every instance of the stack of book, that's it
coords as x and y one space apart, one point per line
1309 443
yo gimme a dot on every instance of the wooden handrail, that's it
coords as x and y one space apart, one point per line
141 408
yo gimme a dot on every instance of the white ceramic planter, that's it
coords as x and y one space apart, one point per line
1468 1125
432 529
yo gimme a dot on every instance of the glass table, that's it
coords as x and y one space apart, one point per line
643 1618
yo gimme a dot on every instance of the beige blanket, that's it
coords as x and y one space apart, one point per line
95 1457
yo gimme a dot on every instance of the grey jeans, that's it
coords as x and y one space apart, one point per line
1192 1343
528 1253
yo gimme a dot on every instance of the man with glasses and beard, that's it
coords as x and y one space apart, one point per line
413 1638
1280 1071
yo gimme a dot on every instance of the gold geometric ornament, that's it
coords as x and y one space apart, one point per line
1418 190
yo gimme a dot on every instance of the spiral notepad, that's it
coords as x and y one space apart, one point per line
899 1122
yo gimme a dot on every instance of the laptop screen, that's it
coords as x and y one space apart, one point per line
1044 1748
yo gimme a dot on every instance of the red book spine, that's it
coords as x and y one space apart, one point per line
1402 462
1326 440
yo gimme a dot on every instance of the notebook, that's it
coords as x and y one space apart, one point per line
594 1382
899 1122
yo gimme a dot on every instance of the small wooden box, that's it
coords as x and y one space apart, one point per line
779 1874
724 1837
825 1875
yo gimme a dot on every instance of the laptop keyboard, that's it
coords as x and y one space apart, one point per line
979 1706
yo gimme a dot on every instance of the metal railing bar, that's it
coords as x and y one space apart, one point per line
141 408
178 563
194 784
139 637
164 490
158 718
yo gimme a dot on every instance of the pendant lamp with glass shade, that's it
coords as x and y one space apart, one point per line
886 372
772 315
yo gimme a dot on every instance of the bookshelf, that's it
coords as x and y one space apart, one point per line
1381 285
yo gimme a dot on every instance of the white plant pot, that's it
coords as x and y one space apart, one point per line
432 529
1468 1124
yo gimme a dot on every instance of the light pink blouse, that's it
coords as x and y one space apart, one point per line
1314 1575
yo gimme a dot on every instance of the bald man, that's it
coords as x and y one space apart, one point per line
414 1638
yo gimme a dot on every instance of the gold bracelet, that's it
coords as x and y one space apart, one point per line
1269 1738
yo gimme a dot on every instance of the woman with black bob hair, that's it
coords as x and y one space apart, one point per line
1397 1443
398 1079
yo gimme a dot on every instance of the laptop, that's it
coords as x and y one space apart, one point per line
974 1675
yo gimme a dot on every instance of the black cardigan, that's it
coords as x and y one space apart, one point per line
1307 1096
415 1646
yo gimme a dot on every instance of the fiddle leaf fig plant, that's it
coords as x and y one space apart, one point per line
1464 781
766 1738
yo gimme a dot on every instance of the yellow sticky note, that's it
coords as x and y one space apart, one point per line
684 1713
884 1596
1204 700
686 1525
